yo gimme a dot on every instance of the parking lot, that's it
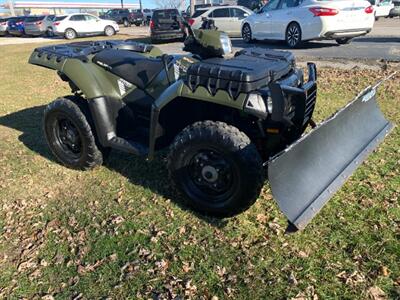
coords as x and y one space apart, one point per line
383 43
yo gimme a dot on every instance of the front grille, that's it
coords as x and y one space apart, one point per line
311 99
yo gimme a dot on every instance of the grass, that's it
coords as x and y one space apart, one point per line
117 232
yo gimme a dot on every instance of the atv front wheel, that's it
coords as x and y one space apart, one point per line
216 168
70 136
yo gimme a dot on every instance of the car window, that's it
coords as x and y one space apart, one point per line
90 18
59 18
198 13
50 17
289 3
220 13
238 13
271 5
34 19
166 14
78 18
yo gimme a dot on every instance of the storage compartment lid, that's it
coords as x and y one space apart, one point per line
249 70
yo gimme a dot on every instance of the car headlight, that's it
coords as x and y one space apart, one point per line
255 104
226 43
269 105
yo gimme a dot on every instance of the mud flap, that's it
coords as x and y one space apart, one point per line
307 174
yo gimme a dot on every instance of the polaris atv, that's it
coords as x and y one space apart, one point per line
223 120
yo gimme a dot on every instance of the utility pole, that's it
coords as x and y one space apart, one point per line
141 7
192 2
122 3
11 7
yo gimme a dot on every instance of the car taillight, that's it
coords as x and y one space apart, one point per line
324 11
38 23
369 9
56 23
19 23
191 21
151 24
3 24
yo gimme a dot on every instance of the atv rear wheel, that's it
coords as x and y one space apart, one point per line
70 136
216 167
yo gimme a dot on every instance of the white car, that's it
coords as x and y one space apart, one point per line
226 18
382 7
295 21
79 24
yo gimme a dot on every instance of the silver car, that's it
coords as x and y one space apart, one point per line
39 25
3 26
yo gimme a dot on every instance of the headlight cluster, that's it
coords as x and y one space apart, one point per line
259 105
226 43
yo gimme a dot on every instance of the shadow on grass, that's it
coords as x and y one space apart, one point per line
151 175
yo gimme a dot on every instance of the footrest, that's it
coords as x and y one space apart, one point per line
128 146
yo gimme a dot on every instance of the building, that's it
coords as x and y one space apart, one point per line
58 7
229 2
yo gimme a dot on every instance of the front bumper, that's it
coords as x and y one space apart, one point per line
167 35
294 106
348 33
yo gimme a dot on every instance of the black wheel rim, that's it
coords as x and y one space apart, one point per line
246 33
210 176
293 35
67 137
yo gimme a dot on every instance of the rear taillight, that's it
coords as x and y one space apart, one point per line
369 9
19 23
3 24
324 11
56 23
191 21
151 24
38 23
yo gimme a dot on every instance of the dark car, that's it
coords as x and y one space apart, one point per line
136 17
16 26
166 25
119 15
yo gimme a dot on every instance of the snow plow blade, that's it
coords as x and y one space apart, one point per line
306 175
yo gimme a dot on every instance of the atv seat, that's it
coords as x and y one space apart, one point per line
133 67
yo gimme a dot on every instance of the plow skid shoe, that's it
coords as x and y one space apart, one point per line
308 173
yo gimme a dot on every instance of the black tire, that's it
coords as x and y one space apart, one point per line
216 168
126 23
343 41
247 35
69 135
293 35
109 31
70 34
49 32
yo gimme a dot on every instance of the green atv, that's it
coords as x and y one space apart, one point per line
224 120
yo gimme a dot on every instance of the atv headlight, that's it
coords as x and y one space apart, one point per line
269 105
255 103
226 43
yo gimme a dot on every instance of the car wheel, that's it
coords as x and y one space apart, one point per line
126 23
70 34
109 31
343 41
247 34
70 136
49 32
137 24
293 35
216 168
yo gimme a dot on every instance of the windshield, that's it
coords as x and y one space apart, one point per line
34 19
